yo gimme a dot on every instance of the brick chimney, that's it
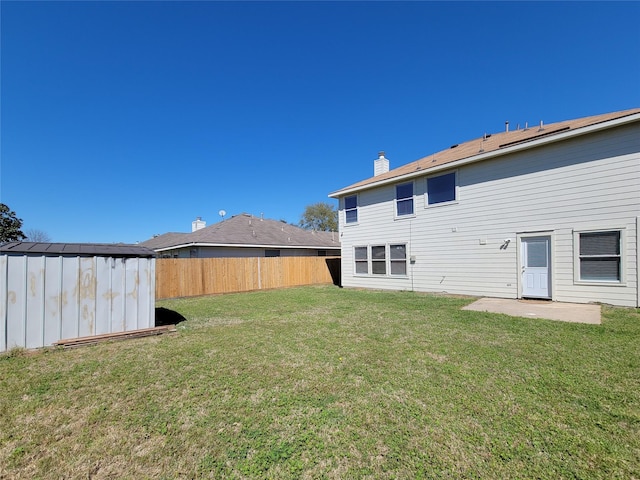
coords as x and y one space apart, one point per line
380 165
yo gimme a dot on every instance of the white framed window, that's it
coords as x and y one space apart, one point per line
404 199
398 259
599 256
378 260
381 260
351 209
441 189
361 256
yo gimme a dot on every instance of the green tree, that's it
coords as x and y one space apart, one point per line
9 225
321 217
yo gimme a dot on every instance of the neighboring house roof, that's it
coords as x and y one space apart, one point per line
245 230
492 145
77 249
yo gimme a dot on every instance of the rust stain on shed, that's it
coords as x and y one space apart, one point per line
110 295
32 284
136 283
88 282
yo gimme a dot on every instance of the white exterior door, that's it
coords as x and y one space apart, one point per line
536 267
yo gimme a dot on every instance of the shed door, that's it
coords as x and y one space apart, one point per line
536 267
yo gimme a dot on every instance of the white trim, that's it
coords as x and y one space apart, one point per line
571 133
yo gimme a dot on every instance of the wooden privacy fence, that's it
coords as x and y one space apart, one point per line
190 277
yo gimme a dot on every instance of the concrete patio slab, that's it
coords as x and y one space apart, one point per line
565 312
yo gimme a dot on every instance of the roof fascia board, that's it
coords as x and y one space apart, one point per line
525 145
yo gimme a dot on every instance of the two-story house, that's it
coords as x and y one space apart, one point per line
546 211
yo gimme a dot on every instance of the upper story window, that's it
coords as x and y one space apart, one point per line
272 253
441 189
600 256
404 199
351 209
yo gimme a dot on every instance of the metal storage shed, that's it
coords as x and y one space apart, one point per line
54 291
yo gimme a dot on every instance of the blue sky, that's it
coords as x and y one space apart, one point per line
121 120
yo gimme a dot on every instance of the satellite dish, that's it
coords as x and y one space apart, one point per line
222 213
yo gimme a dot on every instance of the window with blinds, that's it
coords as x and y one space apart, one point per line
600 256
382 260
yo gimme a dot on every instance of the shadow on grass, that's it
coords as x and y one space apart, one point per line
164 316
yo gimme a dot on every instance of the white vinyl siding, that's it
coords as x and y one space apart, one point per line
581 184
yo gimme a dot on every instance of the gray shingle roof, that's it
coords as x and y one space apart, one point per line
77 249
247 230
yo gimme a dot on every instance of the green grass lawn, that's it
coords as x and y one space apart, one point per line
322 382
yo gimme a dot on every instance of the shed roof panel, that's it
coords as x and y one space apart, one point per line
79 249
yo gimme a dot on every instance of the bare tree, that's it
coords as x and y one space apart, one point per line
35 235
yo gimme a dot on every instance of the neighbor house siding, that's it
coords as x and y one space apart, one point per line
243 252
587 182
